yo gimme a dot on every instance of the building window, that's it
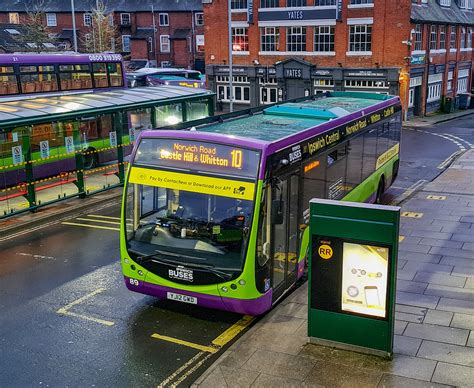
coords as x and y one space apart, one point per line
323 85
165 64
51 20
14 18
268 95
323 38
411 97
360 38
433 37
469 38
361 1
296 3
88 39
268 3
200 43
199 19
165 43
296 39
240 39
238 4
434 92
462 44
445 3
150 44
111 19
269 38
462 85
465 4
87 20
125 19
164 19
126 43
365 84
418 37
452 41
442 37
319 3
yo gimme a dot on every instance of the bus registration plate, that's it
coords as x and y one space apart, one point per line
181 298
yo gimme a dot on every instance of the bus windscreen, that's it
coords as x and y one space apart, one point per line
198 156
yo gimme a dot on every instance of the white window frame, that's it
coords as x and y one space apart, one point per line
51 19
87 20
326 33
452 34
124 16
163 44
411 97
199 21
166 19
433 34
368 42
360 4
462 85
445 3
13 17
124 46
240 36
269 32
268 99
418 38
301 33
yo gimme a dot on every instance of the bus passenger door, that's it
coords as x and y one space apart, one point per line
285 235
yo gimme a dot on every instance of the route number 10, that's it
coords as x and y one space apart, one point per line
236 158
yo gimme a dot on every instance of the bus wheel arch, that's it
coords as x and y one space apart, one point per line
90 158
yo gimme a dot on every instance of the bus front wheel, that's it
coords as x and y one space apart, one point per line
380 190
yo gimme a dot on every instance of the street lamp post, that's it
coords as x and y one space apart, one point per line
231 91
74 33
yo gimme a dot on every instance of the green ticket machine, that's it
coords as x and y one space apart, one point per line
352 275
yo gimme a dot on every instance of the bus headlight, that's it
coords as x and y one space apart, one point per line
224 289
140 272
242 282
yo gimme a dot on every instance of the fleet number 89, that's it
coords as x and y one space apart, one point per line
133 282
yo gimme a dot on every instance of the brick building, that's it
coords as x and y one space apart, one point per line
283 49
171 35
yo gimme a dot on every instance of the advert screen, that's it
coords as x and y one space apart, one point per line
364 279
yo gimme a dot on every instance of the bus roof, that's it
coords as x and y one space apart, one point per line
52 108
281 121
40 59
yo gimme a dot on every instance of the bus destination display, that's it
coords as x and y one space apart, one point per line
196 155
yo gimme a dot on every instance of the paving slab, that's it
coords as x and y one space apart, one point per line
455 375
450 292
452 354
438 317
438 278
406 345
438 333
456 305
393 381
463 321
412 299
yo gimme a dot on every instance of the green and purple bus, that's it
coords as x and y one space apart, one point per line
217 215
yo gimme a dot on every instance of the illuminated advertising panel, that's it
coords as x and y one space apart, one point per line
364 279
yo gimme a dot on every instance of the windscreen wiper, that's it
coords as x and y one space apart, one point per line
223 275
153 257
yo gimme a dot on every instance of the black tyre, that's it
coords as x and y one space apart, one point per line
380 190
90 159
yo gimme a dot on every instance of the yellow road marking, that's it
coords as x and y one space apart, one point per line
217 343
401 238
106 217
436 197
65 310
90 226
102 221
233 331
412 214
203 348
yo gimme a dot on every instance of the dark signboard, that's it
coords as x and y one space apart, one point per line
297 14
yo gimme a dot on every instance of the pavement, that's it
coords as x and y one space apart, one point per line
436 118
434 327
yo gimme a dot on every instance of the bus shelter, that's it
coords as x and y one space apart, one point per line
61 146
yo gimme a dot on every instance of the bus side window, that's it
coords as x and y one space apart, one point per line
354 162
262 264
370 149
382 138
336 173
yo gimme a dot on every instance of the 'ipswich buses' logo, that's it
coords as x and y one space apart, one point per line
181 273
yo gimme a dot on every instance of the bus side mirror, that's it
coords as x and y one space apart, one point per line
277 212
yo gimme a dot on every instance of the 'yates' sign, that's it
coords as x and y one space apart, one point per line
293 73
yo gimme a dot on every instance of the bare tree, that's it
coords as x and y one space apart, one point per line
102 34
36 33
